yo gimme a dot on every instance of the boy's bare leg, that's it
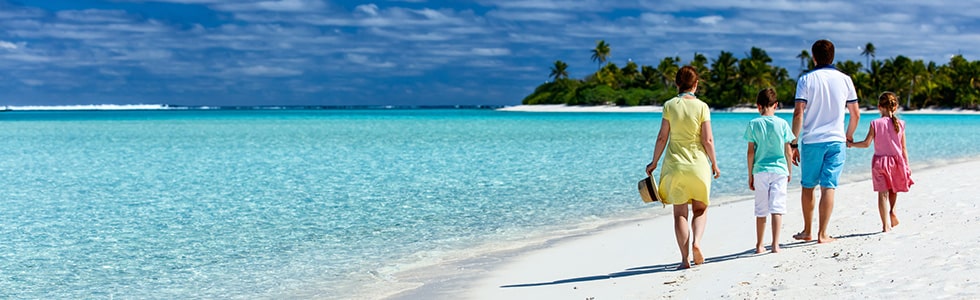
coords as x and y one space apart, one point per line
682 233
806 200
883 211
760 230
777 221
826 208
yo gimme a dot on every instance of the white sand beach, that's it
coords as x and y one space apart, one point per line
933 253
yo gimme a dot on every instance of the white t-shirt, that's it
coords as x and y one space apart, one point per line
826 92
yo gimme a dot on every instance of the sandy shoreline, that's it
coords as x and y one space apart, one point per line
933 253
649 108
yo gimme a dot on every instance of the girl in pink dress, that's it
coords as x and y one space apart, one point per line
890 172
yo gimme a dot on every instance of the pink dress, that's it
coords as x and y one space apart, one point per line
889 170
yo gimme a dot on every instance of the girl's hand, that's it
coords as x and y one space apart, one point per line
751 183
716 171
650 167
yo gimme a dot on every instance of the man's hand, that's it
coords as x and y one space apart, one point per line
796 157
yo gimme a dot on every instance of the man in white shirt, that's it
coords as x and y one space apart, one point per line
823 95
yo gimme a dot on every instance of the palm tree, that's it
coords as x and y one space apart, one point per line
930 83
869 52
700 63
601 52
849 67
630 72
875 71
805 60
755 72
559 70
649 77
667 70
723 77
918 73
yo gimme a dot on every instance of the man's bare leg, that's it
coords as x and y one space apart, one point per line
826 208
806 199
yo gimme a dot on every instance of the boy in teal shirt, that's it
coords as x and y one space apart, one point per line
769 140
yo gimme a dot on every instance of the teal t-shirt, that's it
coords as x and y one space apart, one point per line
770 134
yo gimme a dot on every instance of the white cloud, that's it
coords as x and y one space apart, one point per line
274 6
8 45
368 9
710 20
32 82
531 16
491 51
269 71
94 16
365 61
569 5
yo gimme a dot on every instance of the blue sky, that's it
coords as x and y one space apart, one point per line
417 52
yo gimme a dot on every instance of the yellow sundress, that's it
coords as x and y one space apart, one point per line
686 173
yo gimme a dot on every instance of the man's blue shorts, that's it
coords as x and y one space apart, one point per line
821 163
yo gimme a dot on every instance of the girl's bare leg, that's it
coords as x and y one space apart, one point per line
883 211
892 198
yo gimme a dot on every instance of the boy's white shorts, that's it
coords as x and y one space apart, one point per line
770 194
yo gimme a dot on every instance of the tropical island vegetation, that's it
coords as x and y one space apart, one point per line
728 81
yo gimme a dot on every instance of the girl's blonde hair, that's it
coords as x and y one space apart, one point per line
889 102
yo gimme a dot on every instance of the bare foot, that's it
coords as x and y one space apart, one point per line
698 258
759 249
802 236
825 239
775 248
894 220
684 265
885 229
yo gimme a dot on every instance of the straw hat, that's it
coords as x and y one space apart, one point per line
648 190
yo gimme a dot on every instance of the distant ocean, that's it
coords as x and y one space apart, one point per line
259 204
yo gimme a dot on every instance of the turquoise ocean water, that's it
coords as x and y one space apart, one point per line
263 204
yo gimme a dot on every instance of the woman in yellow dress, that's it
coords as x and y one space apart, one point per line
685 179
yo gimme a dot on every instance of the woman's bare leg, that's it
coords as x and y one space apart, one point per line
698 222
682 233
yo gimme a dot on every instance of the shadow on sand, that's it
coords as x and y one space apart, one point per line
673 267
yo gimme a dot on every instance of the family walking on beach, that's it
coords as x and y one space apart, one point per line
816 142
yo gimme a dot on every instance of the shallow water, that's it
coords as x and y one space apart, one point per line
271 204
